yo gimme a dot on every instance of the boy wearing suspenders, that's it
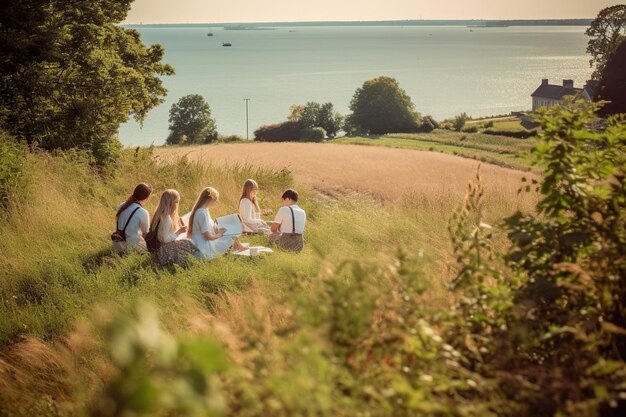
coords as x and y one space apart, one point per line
288 226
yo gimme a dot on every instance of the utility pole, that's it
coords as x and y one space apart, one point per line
247 100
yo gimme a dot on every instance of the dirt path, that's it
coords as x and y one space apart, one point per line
387 173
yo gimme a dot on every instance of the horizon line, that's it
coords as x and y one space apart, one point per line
363 21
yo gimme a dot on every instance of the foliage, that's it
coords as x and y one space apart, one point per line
607 31
428 124
230 138
280 132
191 121
551 322
12 160
158 374
470 129
520 134
612 85
459 121
533 329
312 134
70 75
314 114
381 106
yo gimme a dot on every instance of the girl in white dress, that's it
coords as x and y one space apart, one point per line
168 227
203 231
250 211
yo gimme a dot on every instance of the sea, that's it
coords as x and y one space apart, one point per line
446 70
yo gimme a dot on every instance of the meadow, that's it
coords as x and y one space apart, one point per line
439 292
498 150
58 270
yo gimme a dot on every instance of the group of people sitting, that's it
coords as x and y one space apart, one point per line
171 241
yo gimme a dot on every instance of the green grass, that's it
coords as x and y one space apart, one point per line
56 261
58 272
498 150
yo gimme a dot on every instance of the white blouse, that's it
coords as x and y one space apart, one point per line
138 225
165 233
248 212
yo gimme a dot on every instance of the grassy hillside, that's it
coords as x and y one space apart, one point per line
57 267
499 150
367 320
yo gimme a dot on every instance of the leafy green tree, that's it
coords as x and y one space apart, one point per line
295 113
381 106
70 75
191 121
459 121
612 85
317 115
607 31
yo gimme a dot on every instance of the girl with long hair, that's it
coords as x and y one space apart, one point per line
249 209
203 231
133 221
168 227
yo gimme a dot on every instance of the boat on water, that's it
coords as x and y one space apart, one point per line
210 34
227 44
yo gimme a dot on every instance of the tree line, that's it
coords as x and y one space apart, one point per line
70 75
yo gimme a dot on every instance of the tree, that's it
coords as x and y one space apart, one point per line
459 121
612 85
381 106
607 31
191 118
70 75
317 115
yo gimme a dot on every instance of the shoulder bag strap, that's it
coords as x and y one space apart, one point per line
128 221
293 221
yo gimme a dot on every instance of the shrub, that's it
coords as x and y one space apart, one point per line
280 132
428 124
230 138
547 316
312 134
471 129
488 124
12 160
520 134
459 121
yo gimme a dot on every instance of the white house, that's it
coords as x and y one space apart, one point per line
548 95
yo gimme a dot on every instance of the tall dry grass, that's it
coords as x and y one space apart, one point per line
388 174
56 265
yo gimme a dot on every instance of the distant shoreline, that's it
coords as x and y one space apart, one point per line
475 22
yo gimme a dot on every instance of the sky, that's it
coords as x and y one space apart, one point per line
222 11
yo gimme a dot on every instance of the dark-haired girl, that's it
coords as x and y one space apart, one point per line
133 220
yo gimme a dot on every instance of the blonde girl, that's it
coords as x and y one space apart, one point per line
203 231
249 209
167 226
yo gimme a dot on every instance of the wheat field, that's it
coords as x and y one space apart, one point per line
427 178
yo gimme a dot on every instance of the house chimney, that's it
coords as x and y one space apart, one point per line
568 83
544 81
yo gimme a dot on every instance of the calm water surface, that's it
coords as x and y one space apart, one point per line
445 70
